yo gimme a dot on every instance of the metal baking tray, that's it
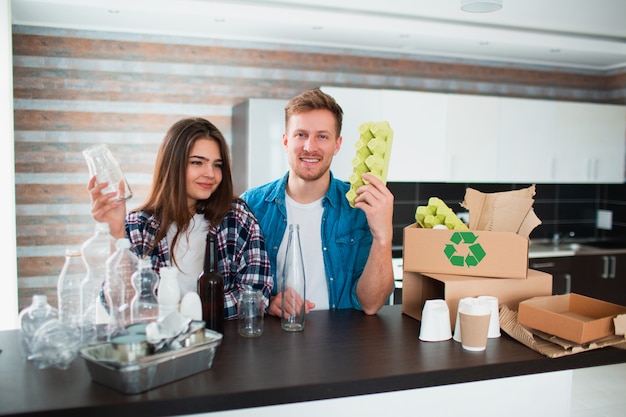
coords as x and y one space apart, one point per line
150 371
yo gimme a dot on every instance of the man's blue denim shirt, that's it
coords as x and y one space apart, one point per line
346 236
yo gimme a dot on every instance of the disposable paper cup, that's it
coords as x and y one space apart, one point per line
474 315
494 322
435 324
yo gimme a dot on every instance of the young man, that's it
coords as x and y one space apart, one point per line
347 251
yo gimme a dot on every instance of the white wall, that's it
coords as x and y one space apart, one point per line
8 256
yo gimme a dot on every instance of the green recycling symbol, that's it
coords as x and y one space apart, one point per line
474 256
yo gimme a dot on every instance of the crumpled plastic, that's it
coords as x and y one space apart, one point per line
55 344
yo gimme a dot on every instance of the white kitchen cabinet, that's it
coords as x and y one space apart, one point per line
419 141
452 138
528 148
257 151
418 122
561 142
591 143
472 129
359 106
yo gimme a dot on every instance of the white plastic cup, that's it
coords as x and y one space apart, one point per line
435 324
494 322
457 326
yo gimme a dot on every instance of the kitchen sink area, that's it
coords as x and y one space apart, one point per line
547 248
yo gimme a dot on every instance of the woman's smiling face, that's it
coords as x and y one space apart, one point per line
204 171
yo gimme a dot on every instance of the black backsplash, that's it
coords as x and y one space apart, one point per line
562 208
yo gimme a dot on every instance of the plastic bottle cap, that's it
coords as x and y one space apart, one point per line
102 227
123 243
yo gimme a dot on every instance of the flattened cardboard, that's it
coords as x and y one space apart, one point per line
574 317
499 254
417 288
550 346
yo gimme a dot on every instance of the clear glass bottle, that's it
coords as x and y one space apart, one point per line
31 318
292 288
96 250
168 293
68 289
104 166
119 290
145 305
211 288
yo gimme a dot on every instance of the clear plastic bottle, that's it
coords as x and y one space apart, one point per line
168 292
145 305
119 290
32 318
96 250
68 289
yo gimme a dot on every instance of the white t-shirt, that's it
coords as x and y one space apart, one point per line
309 217
189 252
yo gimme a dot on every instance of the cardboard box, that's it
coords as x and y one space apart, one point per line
471 253
572 317
417 288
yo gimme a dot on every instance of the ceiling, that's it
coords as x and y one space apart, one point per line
573 34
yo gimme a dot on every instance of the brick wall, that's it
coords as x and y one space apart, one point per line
77 88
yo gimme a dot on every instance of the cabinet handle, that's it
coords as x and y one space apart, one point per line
613 262
605 267
568 283
542 265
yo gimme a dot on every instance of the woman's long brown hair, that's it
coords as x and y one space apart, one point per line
167 198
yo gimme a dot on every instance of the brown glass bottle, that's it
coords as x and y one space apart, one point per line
211 288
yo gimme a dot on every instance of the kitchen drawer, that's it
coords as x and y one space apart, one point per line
561 270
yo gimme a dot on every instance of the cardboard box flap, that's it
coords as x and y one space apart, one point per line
508 213
481 205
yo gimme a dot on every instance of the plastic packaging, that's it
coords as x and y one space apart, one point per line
68 289
32 318
55 345
168 293
292 287
145 305
119 289
96 250
211 288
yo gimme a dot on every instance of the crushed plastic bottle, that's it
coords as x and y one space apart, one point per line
55 344
32 318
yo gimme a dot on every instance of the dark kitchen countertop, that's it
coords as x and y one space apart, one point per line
340 354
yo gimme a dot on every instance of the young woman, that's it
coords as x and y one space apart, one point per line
192 195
